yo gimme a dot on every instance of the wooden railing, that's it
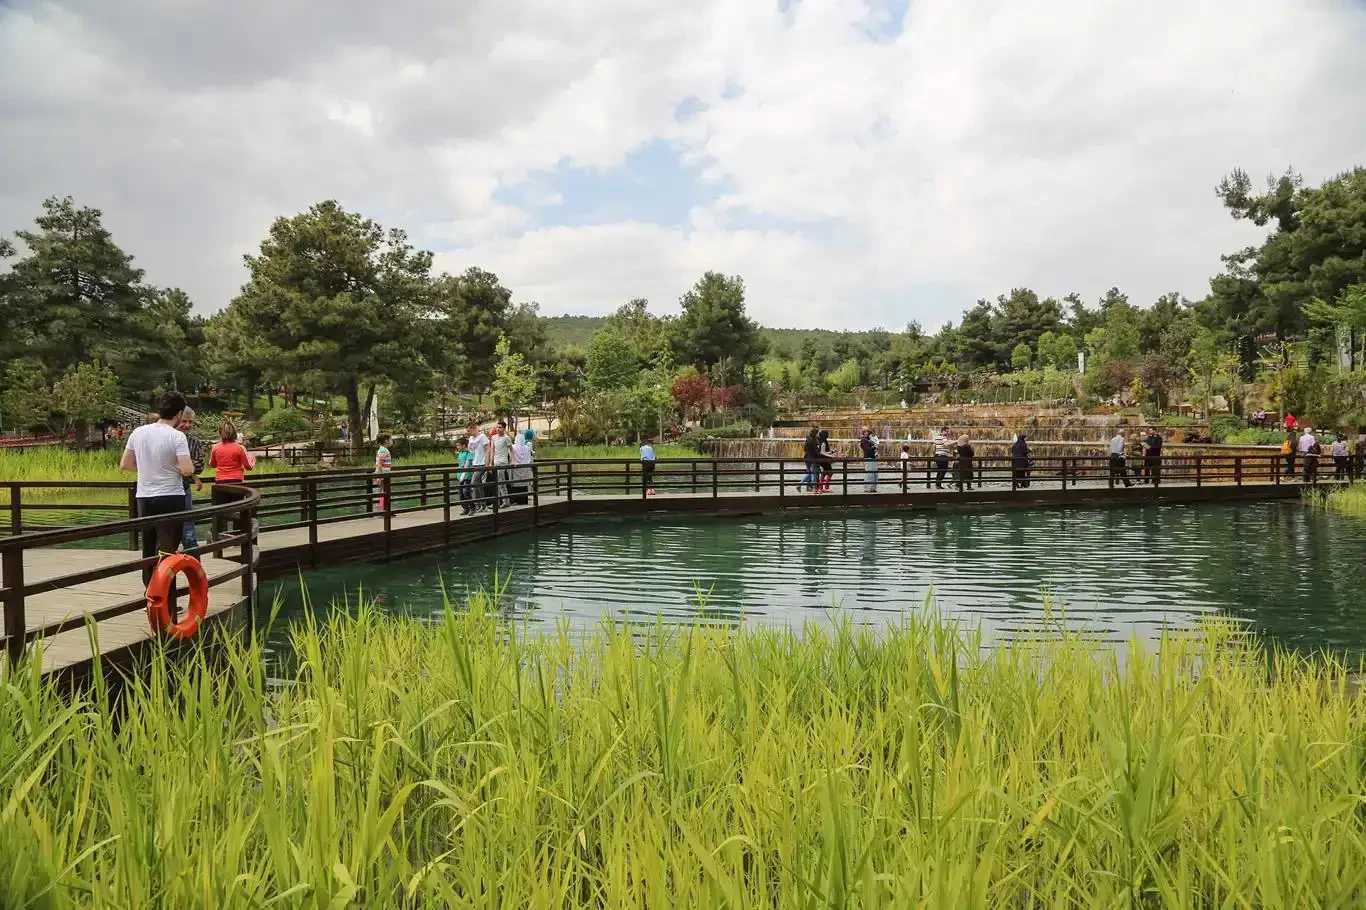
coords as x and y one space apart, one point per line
316 499
15 590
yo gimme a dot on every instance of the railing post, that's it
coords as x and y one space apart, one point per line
756 476
304 497
905 472
715 487
1198 460
782 477
422 486
16 520
497 500
569 481
134 541
446 502
369 495
535 496
248 518
844 478
1063 472
694 476
311 488
642 477
1276 469
12 569
387 491
1238 470
626 485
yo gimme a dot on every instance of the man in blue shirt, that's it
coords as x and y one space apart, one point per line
647 468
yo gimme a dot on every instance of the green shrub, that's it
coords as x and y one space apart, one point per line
1220 427
728 431
281 421
1178 420
1252 436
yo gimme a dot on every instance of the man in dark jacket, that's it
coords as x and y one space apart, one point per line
1019 460
1152 456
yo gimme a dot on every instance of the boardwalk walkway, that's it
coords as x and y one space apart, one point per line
420 507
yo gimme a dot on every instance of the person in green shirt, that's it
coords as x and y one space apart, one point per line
465 477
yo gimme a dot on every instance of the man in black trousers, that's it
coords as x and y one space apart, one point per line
1117 444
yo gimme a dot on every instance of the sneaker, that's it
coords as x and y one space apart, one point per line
650 492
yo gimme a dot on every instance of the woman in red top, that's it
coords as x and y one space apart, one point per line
230 462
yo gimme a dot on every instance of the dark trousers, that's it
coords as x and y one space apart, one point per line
1152 466
647 474
1342 465
487 482
941 467
1117 469
221 497
1289 464
163 537
466 495
1311 468
1021 476
964 475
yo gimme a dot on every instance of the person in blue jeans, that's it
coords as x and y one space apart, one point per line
811 453
189 539
647 468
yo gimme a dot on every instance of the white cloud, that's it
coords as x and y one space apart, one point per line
1062 144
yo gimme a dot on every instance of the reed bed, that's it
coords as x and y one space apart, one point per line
465 762
1348 500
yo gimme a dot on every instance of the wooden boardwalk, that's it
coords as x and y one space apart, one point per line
67 649
365 538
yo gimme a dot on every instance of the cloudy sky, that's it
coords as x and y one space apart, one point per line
859 162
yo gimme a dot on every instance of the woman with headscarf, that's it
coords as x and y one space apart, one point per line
1019 460
521 471
965 455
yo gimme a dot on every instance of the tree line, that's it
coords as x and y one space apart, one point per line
337 305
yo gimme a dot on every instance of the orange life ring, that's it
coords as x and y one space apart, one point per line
159 588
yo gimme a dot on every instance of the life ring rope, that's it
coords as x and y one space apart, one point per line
158 596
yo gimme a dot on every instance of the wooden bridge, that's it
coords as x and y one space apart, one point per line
76 588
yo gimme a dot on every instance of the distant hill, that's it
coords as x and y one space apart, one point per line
571 331
563 331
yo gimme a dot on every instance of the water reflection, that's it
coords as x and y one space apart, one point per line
1296 575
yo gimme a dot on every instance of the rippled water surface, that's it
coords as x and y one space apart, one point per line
1298 576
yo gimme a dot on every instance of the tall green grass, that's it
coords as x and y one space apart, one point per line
1349 500
466 763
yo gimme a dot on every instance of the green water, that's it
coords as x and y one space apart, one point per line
1296 575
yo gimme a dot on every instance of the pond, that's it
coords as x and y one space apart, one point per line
1294 574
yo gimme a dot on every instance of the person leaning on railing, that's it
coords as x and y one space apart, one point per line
160 455
230 462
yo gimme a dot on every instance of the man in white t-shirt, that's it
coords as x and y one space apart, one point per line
502 456
160 454
479 460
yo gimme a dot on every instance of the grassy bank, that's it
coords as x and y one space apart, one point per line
1349 501
461 764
